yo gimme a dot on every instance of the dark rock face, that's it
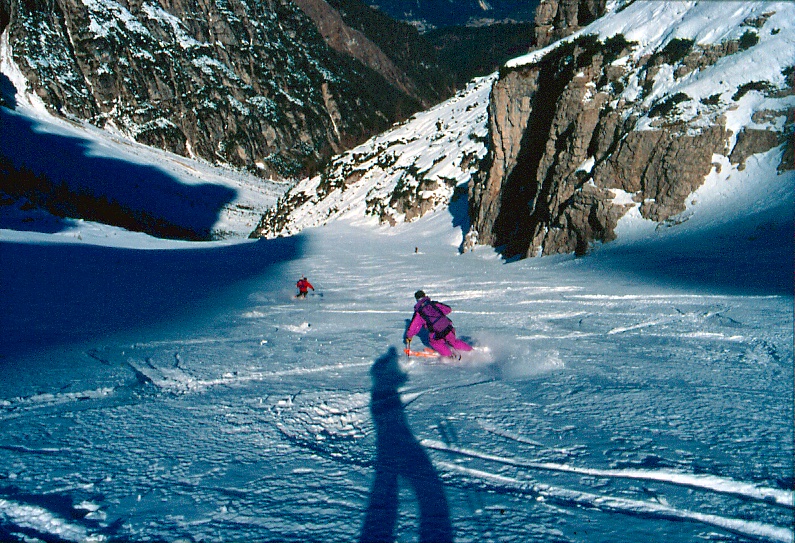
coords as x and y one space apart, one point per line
556 19
427 14
570 154
543 118
253 84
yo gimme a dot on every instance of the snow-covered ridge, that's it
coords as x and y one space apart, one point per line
653 24
769 27
396 176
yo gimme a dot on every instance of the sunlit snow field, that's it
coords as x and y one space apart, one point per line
162 394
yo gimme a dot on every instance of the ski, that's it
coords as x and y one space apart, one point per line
425 353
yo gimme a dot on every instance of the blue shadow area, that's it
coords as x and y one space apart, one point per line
65 293
8 93
459 212
459 209
400 454
70 182
753 255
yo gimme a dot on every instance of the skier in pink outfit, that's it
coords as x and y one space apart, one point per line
433 316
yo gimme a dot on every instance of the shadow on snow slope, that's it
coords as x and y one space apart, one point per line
459 212
400 454
751 255
8 93
65 293
73 182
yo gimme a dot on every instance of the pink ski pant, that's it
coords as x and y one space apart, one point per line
442 346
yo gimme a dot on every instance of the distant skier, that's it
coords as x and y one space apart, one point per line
433 316
303 287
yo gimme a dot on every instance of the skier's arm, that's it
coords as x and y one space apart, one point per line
444 308
416 325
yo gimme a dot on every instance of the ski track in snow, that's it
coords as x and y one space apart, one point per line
625 506
702 482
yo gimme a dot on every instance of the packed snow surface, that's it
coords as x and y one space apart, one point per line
158 394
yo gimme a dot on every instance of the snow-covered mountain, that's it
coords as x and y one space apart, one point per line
162 390
272 86
622 120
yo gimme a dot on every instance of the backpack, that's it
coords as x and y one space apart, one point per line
436 321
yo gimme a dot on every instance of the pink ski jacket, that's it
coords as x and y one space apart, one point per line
440 325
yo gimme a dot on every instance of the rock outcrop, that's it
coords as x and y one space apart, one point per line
533 178
661 167
751 141
557 19
584 133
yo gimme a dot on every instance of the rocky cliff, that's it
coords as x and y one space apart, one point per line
593 126
556 19
263 84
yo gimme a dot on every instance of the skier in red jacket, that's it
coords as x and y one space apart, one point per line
303 286
441 334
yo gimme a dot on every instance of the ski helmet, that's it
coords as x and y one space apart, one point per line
419 295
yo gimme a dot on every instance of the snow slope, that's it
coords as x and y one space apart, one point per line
425 159
606 402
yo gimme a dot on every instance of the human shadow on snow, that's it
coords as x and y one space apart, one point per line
399 454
